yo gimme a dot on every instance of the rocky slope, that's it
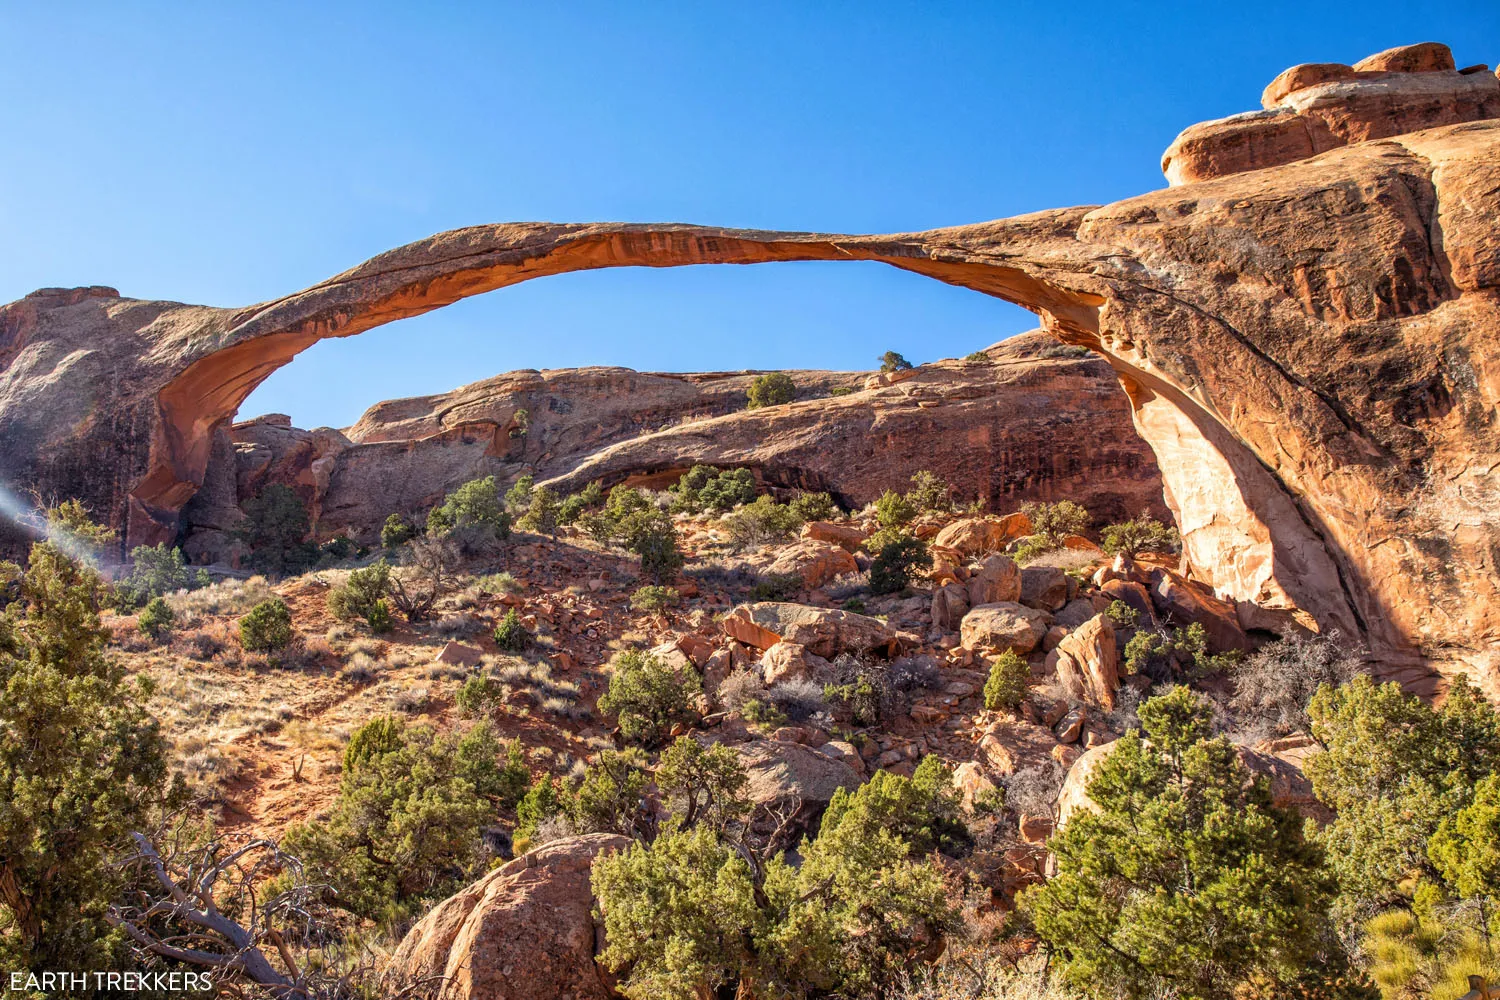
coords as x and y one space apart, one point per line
1308 348
1018 426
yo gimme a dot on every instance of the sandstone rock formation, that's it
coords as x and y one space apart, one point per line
1088 663
524 932
820 631
1308 348
1004 625
1316 107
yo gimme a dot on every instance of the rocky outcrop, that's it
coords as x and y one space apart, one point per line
1316 107
525 931
822 632
1087 661
1308 348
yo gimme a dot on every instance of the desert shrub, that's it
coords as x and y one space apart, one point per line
1006 686
542 512
156 570
1152 651
477 695
573 506
475 504
841 390
518 497
929 493
1034 790
499 583
1393 769
1063 351
267 628
428 571
702 784
771 389
922 811
71 526
1051 523
362 596
610 798
651 535
893 510
337 549
729 489
1186 879
692 914
776 587
896 562
814 507
82 764
854 604
647 697
891 361
511 634
1273 686
157 620
275 528
1123 615
977 356
396 531
1140 534
543 801
797 700
653 599
862 693
398 780
761 523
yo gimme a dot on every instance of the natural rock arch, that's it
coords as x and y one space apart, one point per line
1309 349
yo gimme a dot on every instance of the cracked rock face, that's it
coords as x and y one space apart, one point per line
1309 349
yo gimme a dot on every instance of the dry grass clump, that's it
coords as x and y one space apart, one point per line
459 626
362 668
225 597
551 693
411 700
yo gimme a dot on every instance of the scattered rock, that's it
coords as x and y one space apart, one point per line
824 632
788 773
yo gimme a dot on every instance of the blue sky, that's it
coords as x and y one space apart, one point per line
228 154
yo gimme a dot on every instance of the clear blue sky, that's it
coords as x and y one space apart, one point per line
228 154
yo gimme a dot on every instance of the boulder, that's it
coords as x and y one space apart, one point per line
525 931
845 536
1044 587
824 632
788 773
1423 57
673 656
458 654
844 752
998 579
1075 613
1075 796
950 603
1004 625
814 561
1184 604
974 536
971 782
1132 594
784 661
1034 829
1088 663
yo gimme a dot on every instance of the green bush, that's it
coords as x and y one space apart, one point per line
610 797
693 914
776 587
890 361
474 504
1006 687
729 489
1186 879
815 507
542 512
518 497
1394 769
647 697
977 356
157 620
1140 534
651 535
396 531
855 604
653 599
511 635
362 595
895 563
702 784
82 764
267 627
929 493
771 389
1123 615
275 528
921 811
406 825
541 802
893 510
761 523
156 570
841 390
477 695
1054 522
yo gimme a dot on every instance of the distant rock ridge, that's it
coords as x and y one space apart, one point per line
1306 330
